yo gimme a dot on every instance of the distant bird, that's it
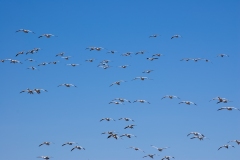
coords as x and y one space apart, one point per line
220 100
107 119
72 64
117 82
91 48
54 62
98 48
60 54
123 66
167 157
112 51
196 59
226 146
128 135
141 78
147 71
22 52
126 119
176 36
28 91
115 102
237 141
170 96
199 137
105 66
38 91
44 157
187 102
141 101
136 149
90 60
157 55
77 147
29 59
47 35
196 134
153 36
130 126
13 61
127 54
159 149
113 135
66 58
25 31
109 132
228 108
67 85
149 155
140 52
186 59
43 64
122 100
222 55
151 59
3 60
45 143
206 60
32 68
31 51
69 143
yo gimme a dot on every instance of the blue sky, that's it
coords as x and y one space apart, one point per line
208 28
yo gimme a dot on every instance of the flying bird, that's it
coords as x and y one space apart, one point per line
141 101
77 147
141 78
237 141
222 55
28 91
126 119
60 54
67 85
153 36
167 157
228 108
47 35
45 143
136 149
22 52
107 119
72 64
187 102
128 135
25 31
117 83
149 155
130 126
38 91
69 143
147 71
176 36
226 146
170 96
32 68
151 58
44 157
157 55
122 100
160 149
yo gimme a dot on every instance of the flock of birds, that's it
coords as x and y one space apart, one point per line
105 65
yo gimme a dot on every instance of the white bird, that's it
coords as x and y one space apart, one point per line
13 61
127 54
43 64
226 146
128 135
98 48
147 71
130 126
32 68
38 91
25 31
124 66
196 134
141 101
115 102
28 91
29 59
31 51
113 135
44 157
117 82
206 60
237 141
151 58
187 102
167 157
170 96
141 78
69 143
153 36
45 143
107 119
67 57
122 100
126 119
140 52
60 54
109 132
47 35
22 52
77 147
91 48
160 149
67 85
149 155
222 55
72 64
220 100
199 137
136 149
176 36
157 55
89 60
186 59
112 51
196 59
228 108
54 62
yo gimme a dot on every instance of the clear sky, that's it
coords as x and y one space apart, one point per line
207 29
